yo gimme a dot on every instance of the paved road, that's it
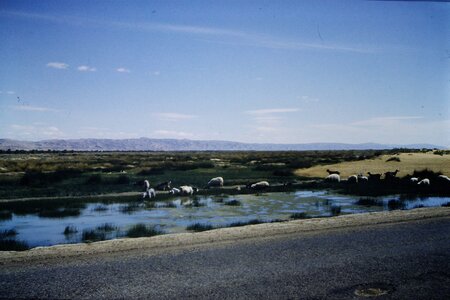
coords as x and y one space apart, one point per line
409 260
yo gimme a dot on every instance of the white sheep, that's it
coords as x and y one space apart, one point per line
333 178
352 179
260 185
444 178
146 185
414 180
217 181
186 190
425 181
362 178
151 193
174 191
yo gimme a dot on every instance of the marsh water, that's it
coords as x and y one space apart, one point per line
41 228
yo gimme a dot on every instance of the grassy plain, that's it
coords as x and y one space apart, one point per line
73 174
407 163
49 174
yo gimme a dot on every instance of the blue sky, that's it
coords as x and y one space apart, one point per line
249 71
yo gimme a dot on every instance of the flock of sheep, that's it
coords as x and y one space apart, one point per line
186 190
334 176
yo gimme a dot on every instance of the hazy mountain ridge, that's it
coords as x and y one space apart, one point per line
148 144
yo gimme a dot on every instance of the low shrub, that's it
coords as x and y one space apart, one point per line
100 207
299 215
107 227
152 171
233 202
123 179
129 208
335 210
5 215
142 230
369 202
7 233
395 204
426 173
90 235
13 245
244 223
94 179
199 227
281 173
59 213
70 230
393 158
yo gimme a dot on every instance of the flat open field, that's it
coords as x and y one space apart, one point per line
56 174
407 163
72 174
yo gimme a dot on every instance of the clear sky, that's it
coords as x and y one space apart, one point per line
249 71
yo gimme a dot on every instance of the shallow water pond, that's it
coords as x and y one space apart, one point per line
43 227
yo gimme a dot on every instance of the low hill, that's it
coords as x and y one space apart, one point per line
147 144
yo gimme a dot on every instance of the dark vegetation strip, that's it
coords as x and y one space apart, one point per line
86 173
13 245
143 230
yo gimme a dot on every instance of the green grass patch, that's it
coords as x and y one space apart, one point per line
197 227
107 227
7 233
299 215
59 213
130 208
5 215
369 202
92 235
233 202
245 223
142 230
70 230
335 210
13 245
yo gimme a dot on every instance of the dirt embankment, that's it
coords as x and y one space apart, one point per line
181 241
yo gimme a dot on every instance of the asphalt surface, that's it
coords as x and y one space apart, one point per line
407 260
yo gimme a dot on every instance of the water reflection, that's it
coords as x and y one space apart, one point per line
41 225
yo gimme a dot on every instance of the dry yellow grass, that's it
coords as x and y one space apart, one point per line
408 163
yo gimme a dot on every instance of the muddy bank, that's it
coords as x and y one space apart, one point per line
181 241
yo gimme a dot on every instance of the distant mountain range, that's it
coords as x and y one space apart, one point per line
147 144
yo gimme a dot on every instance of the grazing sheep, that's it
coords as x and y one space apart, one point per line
390 175
444 178
374 177
414 180
174 191
362 178
164 186
260 185
146 185
217 181
352 179
333 178
187 190
151 193
425 182
333 172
